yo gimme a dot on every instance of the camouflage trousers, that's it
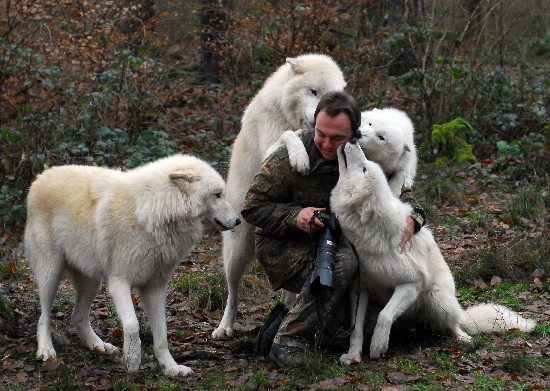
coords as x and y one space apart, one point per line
317 319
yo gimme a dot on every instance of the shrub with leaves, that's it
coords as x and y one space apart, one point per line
79 126
448 144
526 157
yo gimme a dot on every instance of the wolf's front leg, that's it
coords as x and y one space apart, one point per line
403 297
356 340
154 302
297 154
121 293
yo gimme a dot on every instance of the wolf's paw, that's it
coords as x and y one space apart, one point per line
131 361
300 164
299 159
104 348
222 333
45 352
348 359
297 154
178 371
131 364
377 350
110 349
464 338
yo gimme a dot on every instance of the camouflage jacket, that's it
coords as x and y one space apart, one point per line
276 196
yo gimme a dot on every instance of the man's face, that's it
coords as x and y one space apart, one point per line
330 133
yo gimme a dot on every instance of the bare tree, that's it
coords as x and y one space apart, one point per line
214 15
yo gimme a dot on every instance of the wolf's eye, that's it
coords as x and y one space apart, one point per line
381 137
314 92
218 195
364 169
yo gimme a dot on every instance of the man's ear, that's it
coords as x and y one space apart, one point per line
186 176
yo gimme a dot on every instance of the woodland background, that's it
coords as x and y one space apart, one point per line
123 82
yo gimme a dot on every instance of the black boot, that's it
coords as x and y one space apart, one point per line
269 329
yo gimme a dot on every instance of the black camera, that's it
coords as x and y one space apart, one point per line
324 255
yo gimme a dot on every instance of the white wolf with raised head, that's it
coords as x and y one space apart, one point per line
130 229
418 281
387 138
287 100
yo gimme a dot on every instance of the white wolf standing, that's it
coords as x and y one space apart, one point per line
287 100
418 281
387 138
131 229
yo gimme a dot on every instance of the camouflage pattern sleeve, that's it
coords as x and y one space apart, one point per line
268 202
418 214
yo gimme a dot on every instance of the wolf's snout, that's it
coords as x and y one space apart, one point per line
343 150
223 227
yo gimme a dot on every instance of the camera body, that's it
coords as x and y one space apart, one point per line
322 276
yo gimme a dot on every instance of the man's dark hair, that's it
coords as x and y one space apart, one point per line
335 102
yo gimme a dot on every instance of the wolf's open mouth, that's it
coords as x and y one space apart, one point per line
343 150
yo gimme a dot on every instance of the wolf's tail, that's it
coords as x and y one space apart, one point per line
486 318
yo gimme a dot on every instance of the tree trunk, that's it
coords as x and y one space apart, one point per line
213 21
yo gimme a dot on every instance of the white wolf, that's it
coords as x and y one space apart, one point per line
287 100
418 281
387 138
131 229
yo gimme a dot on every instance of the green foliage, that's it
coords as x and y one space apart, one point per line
448 144
499 103
504 293
7 317
63 378
479 219
519 363
525 157
78 127
543 329
445 362
11 210
437 189
118 384
541 46
529 203
208 290
513 260
486 383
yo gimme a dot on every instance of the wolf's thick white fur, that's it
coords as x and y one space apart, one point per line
387 138
130 229
287 100
418 281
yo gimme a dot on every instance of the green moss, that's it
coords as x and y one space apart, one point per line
449 145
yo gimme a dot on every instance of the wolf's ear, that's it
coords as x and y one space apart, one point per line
295 64
186 176
407 148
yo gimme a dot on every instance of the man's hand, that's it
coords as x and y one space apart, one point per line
407 235
304 219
